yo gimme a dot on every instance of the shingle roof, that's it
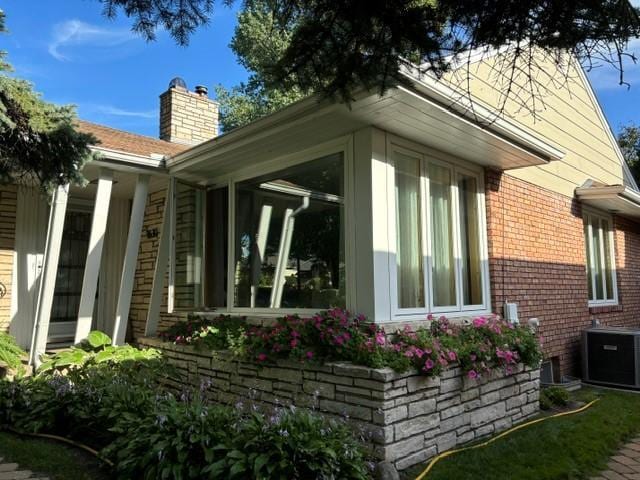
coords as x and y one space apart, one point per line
122 141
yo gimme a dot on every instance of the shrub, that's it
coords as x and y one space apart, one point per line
219 333
488 343
10 352
553 397
187 439
96 350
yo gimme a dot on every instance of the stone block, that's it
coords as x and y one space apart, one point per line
319 389
414 426
422 407
346 410
330 378
421 382
392 415
487 414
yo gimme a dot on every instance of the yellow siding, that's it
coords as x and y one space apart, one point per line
565 114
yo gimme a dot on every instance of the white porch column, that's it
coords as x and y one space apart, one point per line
49 273
162 261
130 259
94 254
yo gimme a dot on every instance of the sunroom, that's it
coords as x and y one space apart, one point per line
377 206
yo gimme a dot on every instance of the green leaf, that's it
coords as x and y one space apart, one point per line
98 339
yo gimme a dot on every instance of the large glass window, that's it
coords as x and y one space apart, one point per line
289 237
600 259
216 255
187 246
457 272
409 257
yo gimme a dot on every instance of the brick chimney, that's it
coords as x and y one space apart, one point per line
187 117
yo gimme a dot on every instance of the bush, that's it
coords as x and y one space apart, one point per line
10 352
488 343
186 439
551 397
96 350
121 409
219 333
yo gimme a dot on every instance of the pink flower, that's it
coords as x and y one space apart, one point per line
452 356
419 352
473 357
428 365
381 339
262 357
479 322
295 334
294 343
309 355
472 374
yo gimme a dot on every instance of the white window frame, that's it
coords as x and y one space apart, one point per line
171 308
427 156
587 216
343 145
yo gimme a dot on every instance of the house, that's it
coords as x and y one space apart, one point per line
422 200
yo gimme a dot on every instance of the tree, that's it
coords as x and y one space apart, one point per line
38 141
338 47
629 141
259 43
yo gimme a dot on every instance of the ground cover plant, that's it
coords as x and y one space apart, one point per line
486 344
571 447
116 402
10 352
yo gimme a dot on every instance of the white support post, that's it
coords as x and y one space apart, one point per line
94 254
49 274
130 259
162 261
260 250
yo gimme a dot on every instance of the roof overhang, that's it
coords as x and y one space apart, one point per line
423 112
617 199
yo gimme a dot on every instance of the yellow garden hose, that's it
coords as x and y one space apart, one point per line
448 453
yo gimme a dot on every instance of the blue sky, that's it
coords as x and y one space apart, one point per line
75 55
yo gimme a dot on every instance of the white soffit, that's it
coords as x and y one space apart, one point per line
422 113
618 199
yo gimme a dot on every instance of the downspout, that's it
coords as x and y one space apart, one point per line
283 253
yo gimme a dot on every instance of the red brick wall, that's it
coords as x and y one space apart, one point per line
537 259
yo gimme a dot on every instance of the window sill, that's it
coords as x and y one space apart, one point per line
596 308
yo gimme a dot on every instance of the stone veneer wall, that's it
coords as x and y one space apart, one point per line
8 203
405 418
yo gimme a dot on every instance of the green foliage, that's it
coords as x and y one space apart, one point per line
150 433
95 350
219 333
191 440
629 141
553 397
340 47
38 141
489 343
258 43
10 352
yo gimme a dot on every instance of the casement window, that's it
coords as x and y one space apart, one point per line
440 261
601 270
185 278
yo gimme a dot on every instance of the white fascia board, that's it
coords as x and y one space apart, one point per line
484 117
119 160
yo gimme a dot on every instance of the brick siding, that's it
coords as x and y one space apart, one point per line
537 259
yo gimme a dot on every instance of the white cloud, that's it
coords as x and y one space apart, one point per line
76 33
119 112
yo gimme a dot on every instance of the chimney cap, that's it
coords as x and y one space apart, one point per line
178 82
201 90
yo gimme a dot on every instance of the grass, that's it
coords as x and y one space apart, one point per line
56 460
572 447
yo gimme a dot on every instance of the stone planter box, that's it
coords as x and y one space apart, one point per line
404 418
